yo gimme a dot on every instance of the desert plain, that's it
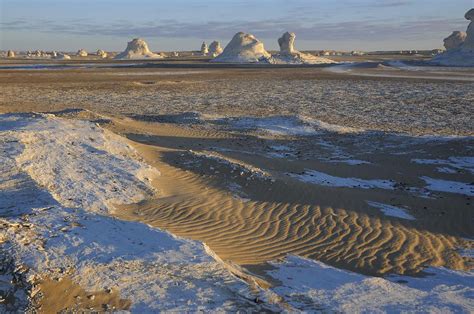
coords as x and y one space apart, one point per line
183 185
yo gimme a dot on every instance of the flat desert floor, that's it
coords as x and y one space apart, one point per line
188 186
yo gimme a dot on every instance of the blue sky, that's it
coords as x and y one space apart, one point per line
184 24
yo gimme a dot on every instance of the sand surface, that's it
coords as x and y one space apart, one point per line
368 174
415 106
252 211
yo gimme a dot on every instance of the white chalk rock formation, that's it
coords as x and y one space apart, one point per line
62 56
215 49
289 55
82 53
138 49
243 48
455 40
468 45
462 55
287 44
357 53
11 54
101 53
204 49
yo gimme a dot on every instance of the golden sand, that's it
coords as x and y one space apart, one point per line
252 232
66 296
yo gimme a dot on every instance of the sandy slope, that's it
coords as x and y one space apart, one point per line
249 218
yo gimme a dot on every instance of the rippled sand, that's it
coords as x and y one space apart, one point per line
265 220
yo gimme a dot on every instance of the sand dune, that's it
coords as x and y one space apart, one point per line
251 232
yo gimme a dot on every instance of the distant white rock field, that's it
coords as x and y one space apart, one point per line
243 48
138 49
459 46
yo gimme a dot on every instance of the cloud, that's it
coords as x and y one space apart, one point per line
367 30
391 4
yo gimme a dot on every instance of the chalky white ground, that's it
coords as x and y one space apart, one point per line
66 175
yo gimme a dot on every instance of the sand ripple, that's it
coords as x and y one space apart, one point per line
254 232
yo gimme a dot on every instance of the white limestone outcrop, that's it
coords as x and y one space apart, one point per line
463 54
243 48
289 55
138 49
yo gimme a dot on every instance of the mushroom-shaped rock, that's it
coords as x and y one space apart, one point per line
243 48
101 53
215 49
138 49
469 15
289 55
204 49
463 55
287 43
82 53
11 54
455 40
468 45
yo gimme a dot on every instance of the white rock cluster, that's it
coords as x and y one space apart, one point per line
459 47
62 56
245 48
138 49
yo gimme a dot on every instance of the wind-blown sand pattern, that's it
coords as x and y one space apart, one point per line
253 232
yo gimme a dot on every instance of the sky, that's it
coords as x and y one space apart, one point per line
68 25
